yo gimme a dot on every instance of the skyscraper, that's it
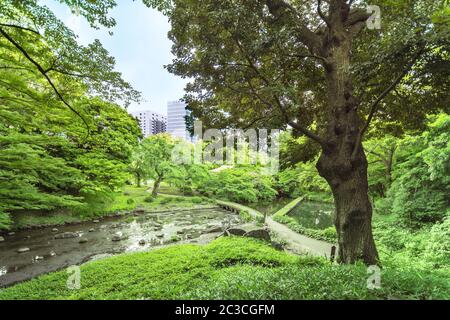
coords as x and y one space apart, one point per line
176 120
151 122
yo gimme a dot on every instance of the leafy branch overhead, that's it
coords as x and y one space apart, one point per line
51 49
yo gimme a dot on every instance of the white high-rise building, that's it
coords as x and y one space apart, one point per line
151 122
176 120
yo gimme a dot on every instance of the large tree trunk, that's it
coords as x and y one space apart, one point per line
343 162
353 215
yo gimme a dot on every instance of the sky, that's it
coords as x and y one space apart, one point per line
141 48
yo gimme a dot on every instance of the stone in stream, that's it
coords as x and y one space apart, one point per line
2 239
83 240
67 235
160 235
55 230
23 250
118 237
96 221
11 234
260 234
142 242
91 230
213 230
236 232
39 258
115 226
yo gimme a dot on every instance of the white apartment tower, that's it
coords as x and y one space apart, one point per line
150 122
176 120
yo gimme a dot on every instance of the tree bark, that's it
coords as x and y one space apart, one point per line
353 215
343 162
138 180
156 186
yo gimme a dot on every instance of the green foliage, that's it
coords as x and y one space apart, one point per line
240 184
228 268
419 193
425 249
301 179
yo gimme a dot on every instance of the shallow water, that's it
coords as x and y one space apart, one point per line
48 254
314 215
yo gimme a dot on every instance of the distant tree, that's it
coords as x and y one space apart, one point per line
157 158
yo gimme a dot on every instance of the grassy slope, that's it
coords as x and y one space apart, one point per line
228 268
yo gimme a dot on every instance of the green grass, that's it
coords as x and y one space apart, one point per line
127 200
228 268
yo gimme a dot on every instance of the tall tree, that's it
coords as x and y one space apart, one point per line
312 65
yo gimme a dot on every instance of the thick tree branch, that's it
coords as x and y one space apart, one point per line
43 72
305 35
19 27
321 14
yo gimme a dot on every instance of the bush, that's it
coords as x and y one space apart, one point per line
196 200
240 184
150 199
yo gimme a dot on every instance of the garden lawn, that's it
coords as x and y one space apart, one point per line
227 268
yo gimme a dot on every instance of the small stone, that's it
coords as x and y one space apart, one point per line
236 232
115 226
160 235
27 238
180 232
2 239
142 242
277 246
83 240
214 230
118 237
55 230
23 250
188 236
38 258
91 230
260 234
11 234
67 235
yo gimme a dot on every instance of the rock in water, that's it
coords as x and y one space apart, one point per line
260 234
23 250
160 235
96 221
236 232
66 235
39 258
11 234
213 230
91 230
118 237
142 242
83 240
55 230
2 239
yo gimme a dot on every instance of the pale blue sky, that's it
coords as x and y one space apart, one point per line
140 46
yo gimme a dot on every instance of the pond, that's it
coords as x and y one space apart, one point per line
46 250
313 214
270 207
